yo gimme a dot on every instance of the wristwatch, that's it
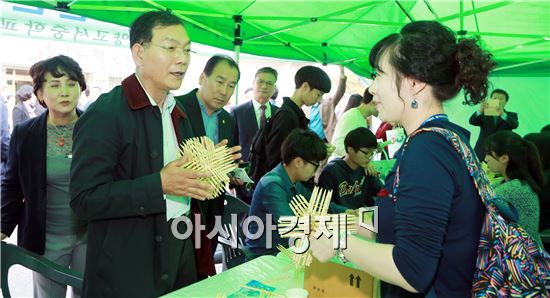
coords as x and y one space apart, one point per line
341 256
340 251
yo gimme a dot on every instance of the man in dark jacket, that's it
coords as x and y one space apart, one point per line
204 107
252 115
505 120
248 116
311 83
126 179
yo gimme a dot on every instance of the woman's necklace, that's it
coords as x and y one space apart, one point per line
60 135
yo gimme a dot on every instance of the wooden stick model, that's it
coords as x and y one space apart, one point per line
206 157
311 217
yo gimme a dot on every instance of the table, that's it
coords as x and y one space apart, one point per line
276 271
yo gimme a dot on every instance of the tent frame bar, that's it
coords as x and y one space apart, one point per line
521 64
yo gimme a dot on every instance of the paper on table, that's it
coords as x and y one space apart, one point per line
241 174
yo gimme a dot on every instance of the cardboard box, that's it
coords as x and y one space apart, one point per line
334 279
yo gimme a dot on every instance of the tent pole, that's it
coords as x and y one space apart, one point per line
520 64
475 16
431 9
409 16
237 42
304 21
461 5
188 20
477 10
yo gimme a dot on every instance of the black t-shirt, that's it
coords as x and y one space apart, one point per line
352 189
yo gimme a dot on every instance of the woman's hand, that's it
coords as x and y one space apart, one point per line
322 248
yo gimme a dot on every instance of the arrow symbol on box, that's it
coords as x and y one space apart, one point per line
358 279
351 277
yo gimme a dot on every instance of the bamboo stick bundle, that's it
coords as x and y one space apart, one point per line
302 208
206 157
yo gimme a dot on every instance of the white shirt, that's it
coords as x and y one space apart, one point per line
175 205
349 121
258 111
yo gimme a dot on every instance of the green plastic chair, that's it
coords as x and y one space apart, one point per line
15 255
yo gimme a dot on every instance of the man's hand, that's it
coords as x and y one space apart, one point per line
178 181
482 106
370 170
235 150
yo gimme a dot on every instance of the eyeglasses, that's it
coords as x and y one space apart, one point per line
174 50
491 155
369 153
316 165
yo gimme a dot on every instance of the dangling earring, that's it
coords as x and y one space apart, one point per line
414 103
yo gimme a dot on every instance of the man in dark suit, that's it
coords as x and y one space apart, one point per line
251 115
248 116
490 124
126 178
204 107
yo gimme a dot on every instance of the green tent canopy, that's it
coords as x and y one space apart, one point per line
342 32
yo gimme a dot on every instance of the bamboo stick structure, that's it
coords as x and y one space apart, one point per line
310 217
206 157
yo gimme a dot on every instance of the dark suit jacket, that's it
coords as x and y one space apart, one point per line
288 118
226 126
489 126
246 125
24 184
116 186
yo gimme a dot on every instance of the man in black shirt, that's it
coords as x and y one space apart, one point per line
352 187
489 124
311 83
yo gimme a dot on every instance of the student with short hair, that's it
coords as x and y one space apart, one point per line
352 188
311 83
302 152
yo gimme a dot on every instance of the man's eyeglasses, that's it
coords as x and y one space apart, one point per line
368 153
174 50
316 165
491 154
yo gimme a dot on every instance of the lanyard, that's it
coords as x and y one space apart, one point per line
435 117
443 117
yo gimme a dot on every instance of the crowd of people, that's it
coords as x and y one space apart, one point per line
97 187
